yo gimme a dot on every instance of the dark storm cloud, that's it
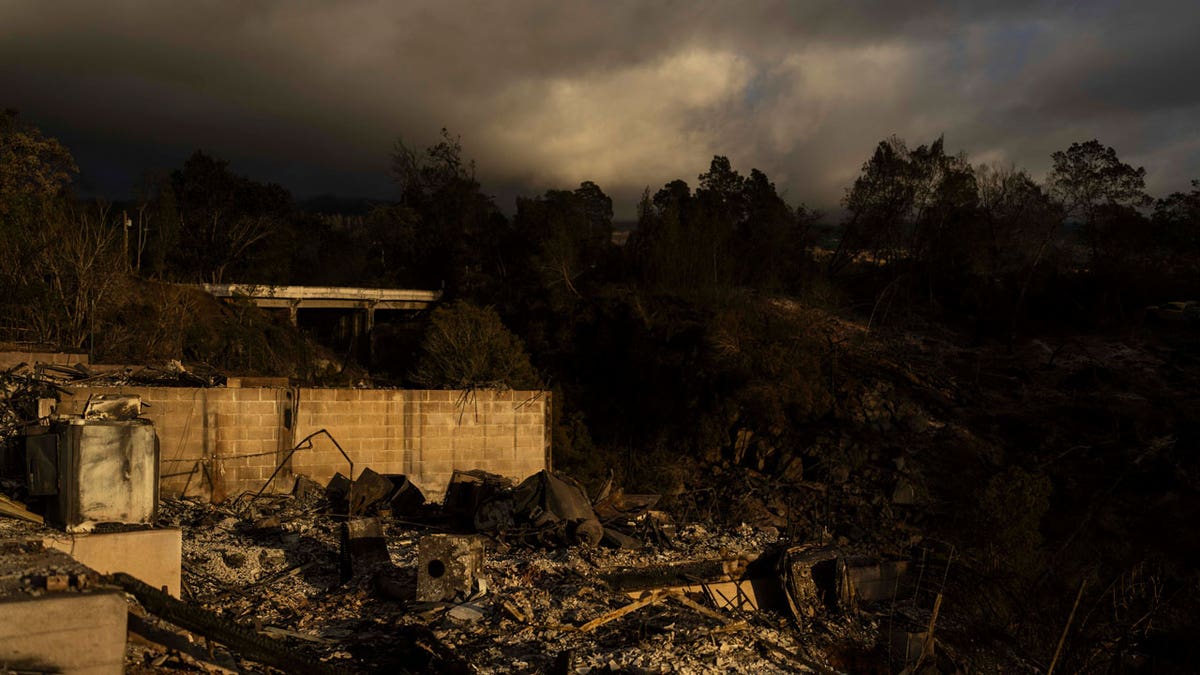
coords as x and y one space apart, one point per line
629 94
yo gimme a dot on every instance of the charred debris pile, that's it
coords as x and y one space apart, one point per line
24 384
365 576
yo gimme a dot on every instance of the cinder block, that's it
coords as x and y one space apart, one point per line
363 547
439 466
260 433
153 556
77 633
314 395
499 453
230 432
268 408
502 467
244 409
448 567
502 430
528 469
435 434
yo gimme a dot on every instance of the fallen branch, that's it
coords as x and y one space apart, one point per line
927 647
1063 638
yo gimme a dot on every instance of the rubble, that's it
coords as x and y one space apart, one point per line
449 567
112 407
810 578
468 491
241 638
168 374
540 602
362 576
367 491
264 579
363 547
558 507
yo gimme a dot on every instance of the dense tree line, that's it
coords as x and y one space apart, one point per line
683 308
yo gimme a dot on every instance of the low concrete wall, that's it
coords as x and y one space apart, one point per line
79 633
8 359
217 443
154 557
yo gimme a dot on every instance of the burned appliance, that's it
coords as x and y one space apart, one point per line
92 469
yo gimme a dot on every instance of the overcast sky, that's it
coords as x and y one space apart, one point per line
627 94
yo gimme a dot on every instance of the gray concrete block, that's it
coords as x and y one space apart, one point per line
151 556
448 567
72 633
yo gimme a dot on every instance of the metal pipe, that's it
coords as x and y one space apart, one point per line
304 444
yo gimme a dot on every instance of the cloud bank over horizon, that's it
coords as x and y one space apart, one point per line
629 95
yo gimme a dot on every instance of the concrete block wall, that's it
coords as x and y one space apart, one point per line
218 443
80 633
214 443
424 434
8 359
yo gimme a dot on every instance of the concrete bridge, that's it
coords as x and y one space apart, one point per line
296 298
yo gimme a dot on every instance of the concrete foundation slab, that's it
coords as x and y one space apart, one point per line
73 633
151 556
